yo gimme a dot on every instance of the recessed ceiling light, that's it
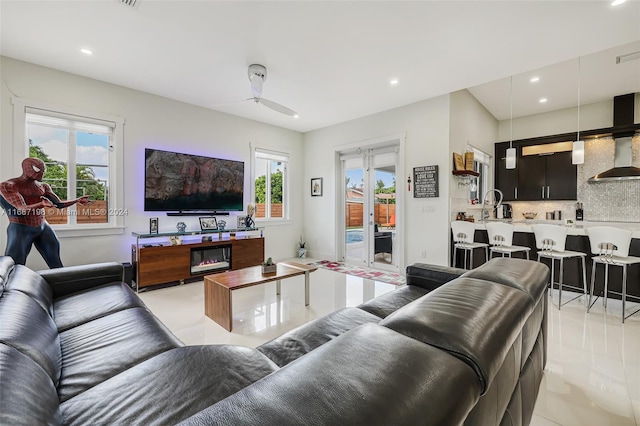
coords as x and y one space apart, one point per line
296 116
535 79
617 2
393 81
86 51
542 100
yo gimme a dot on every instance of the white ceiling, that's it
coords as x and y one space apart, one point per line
331 61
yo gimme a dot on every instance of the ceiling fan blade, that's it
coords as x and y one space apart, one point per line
277 107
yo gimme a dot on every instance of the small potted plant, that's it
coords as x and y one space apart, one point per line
302 251
268 267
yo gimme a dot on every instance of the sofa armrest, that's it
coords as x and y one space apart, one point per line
72 279
431 277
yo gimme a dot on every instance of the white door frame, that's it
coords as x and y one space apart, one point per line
363 146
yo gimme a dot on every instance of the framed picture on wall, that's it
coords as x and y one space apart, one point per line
242 221
316 187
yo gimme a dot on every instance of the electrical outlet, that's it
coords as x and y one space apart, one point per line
423 254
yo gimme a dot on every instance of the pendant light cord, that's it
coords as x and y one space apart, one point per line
511 113
579 78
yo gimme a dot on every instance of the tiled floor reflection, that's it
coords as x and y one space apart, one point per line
259 314
593 370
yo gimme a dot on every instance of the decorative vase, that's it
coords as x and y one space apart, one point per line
302 253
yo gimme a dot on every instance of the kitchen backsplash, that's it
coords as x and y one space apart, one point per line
617 201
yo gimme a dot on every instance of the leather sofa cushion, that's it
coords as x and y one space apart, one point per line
100 349
431 277
72 279
27 394
302 340
84 306
25 326
350 381
169 387
26 281
525 275
475 320
390 302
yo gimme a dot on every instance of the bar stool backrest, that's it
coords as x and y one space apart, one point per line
550 237
503 232
463 231
620 238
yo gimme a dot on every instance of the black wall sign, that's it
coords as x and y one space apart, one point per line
425 182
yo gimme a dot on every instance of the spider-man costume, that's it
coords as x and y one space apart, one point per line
24 199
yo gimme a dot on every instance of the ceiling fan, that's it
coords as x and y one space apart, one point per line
257 76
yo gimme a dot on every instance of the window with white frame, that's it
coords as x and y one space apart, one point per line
271 184
81 159
481 164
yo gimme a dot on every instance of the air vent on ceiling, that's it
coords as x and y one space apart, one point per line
131 3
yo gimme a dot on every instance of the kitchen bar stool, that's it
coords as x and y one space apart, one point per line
550 242
610 246
501 239
463 235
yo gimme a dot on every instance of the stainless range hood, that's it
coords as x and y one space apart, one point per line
623 115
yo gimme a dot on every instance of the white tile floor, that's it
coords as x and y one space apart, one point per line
593 370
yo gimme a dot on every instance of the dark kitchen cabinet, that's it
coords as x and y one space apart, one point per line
506 180
536 177
547 177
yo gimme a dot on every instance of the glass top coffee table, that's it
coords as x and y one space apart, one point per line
218 287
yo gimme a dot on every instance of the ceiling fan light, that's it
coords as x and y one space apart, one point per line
511 158
577 153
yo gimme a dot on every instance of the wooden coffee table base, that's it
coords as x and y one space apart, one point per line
218 304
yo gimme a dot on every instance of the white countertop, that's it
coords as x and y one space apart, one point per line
578 228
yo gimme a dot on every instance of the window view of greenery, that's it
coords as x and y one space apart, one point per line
269 203
53 145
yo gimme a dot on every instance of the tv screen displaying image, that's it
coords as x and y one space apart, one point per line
184 182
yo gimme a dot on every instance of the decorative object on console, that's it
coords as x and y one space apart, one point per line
302 251
153 225
248 220
209 224
175 240
222 224
316 187
181 226
268 267
242 221
207 239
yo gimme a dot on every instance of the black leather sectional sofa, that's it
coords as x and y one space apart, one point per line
77 346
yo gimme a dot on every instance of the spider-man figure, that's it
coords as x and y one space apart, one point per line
24 199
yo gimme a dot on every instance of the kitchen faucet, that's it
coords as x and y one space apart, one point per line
484 203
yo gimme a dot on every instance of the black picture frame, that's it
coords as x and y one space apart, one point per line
242 222
209 223
316 187
153 225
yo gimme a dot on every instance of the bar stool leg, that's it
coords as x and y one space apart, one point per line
471 260
553 281
455 256
560 283
527 254
584 275
593 281
624 289
486 254
606 283
465 258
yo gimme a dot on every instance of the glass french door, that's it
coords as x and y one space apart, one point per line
369 201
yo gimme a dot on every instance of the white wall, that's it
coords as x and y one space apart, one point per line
426 127
151 121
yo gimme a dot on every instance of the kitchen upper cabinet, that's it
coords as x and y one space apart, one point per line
506 179
536 177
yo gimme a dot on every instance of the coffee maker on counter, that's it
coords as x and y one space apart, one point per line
579 211
504 211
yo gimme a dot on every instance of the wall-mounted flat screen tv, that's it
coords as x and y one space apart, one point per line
184 182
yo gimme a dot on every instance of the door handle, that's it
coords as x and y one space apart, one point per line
547 192
543 192
515 190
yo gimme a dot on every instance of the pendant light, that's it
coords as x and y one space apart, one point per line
577 153
511 151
